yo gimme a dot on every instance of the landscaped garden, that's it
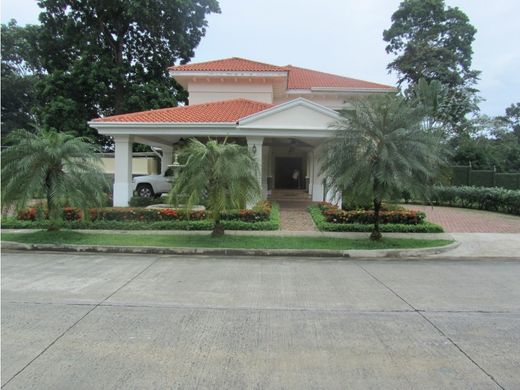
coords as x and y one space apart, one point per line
328 217
263 216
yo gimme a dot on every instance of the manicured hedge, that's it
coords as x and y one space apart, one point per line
334 214
137 201
482 198
321 223
133 221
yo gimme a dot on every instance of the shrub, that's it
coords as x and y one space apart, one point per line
273 223
388 214
482 198
260 212
137 201
321 223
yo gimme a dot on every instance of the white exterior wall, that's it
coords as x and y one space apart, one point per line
203 92
140 165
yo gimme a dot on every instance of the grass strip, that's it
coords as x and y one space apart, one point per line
227 241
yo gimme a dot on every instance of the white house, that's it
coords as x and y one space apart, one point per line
282 113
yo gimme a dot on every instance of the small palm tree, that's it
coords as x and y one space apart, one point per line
225 174
61 167
381 148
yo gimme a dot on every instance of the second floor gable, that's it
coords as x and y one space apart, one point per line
235 78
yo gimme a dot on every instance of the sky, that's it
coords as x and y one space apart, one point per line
345 37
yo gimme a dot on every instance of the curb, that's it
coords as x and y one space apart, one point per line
390 253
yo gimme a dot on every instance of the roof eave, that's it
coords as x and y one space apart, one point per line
206 73
110 124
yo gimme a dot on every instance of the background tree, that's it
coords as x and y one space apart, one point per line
105 57
225 174
65 169
381 148
512 119
18 78
490 143
433 42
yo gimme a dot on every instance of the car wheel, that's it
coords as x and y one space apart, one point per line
145 191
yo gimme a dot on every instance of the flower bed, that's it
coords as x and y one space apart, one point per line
334 214
263 216
328 217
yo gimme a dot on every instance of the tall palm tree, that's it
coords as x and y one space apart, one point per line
61 167
223 173
381 148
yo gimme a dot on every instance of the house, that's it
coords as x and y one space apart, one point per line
283 113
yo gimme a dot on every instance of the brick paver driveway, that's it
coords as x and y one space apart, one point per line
469 221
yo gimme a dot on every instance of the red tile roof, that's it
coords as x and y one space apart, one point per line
301 78
298 78
222 111
234 64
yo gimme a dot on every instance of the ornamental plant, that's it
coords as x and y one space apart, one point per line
65 170
381 147
225 174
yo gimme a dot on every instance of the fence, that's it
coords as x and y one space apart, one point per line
466 176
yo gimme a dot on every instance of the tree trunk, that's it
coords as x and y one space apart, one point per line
376 234
54 224
218 229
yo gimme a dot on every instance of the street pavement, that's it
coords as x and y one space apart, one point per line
95 321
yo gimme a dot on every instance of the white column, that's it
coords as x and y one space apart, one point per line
166 159
255 145
317 179
123 170
265 170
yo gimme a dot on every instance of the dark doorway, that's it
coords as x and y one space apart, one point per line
285 173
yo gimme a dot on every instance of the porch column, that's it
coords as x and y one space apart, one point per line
265 170
317 179
166 159
255 145
123 170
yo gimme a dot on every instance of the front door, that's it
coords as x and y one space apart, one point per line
289 173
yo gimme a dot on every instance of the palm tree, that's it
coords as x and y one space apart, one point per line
223 173
61 167
381 148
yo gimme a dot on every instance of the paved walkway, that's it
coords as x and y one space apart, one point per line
469 221
296 219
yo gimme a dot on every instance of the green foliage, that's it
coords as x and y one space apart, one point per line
323 225
112 221
433 41
381 148
205 241
482 198
333 214
137 201
94 58
67 170
18 93
491 143
223 173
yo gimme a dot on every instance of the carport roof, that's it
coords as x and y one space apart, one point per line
228 111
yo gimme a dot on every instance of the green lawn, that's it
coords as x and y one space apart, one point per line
228 241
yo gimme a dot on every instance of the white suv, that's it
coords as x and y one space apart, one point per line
153 185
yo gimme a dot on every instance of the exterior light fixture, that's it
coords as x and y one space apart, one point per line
254 149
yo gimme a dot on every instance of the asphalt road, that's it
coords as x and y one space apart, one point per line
157 322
